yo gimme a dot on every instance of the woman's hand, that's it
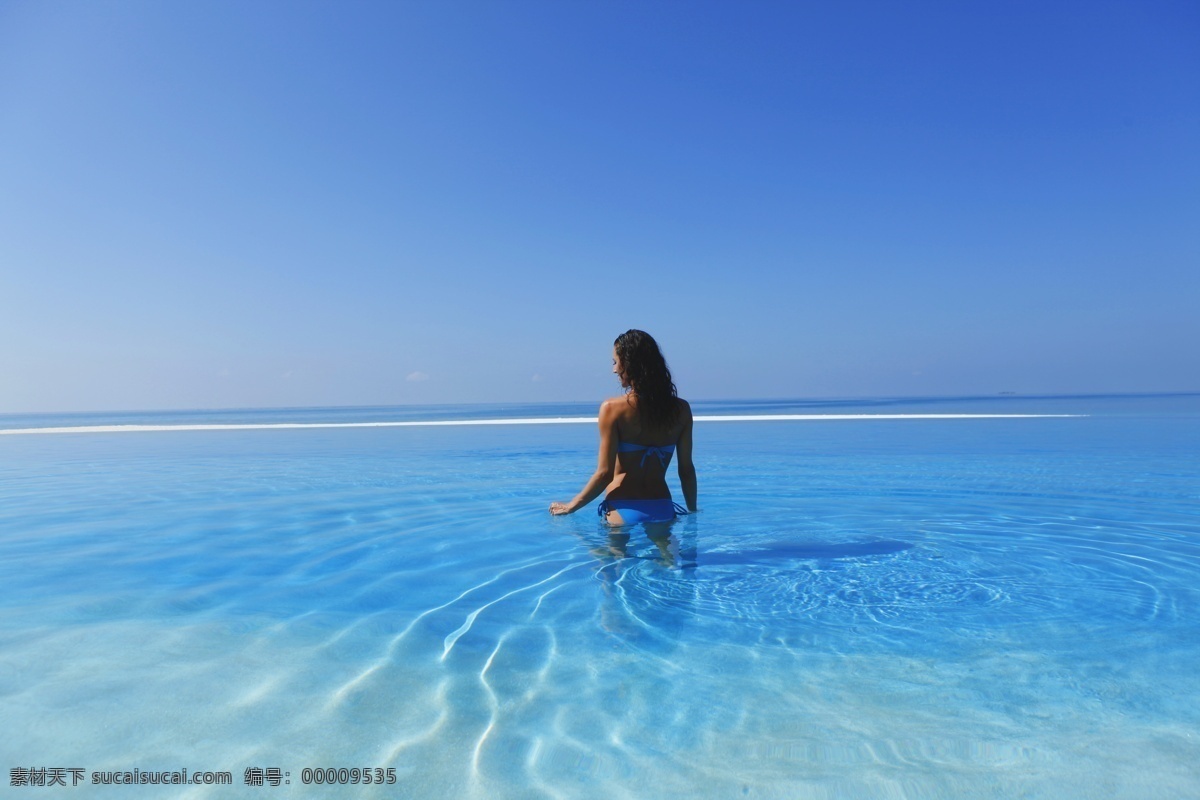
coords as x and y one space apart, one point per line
605 467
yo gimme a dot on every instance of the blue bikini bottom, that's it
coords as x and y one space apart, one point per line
634 512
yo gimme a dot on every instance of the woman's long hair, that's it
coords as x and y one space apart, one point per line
645 369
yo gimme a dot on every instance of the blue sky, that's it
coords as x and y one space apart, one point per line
209 205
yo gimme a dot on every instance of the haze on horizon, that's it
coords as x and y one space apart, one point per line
232 205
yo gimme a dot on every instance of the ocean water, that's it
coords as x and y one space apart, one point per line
893 608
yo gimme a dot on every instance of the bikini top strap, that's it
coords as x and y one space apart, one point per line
663 453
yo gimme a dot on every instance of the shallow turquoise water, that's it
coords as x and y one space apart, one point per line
907 608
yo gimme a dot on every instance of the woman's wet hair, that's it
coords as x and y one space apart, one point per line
644 367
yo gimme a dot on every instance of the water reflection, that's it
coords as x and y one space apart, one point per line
675 544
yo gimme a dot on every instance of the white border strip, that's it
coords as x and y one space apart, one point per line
514 421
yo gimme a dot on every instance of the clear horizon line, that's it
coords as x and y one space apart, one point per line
506 421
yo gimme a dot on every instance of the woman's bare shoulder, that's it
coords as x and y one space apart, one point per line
616 406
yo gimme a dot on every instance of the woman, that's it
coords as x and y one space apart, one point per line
639 432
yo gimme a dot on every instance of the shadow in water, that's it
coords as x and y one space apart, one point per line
676 545
654 585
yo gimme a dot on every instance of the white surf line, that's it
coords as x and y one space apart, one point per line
263 426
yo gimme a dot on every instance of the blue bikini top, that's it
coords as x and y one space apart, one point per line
663 453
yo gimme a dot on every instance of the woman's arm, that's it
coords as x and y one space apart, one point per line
605 467
683 456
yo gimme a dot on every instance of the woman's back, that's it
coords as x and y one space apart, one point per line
644 451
